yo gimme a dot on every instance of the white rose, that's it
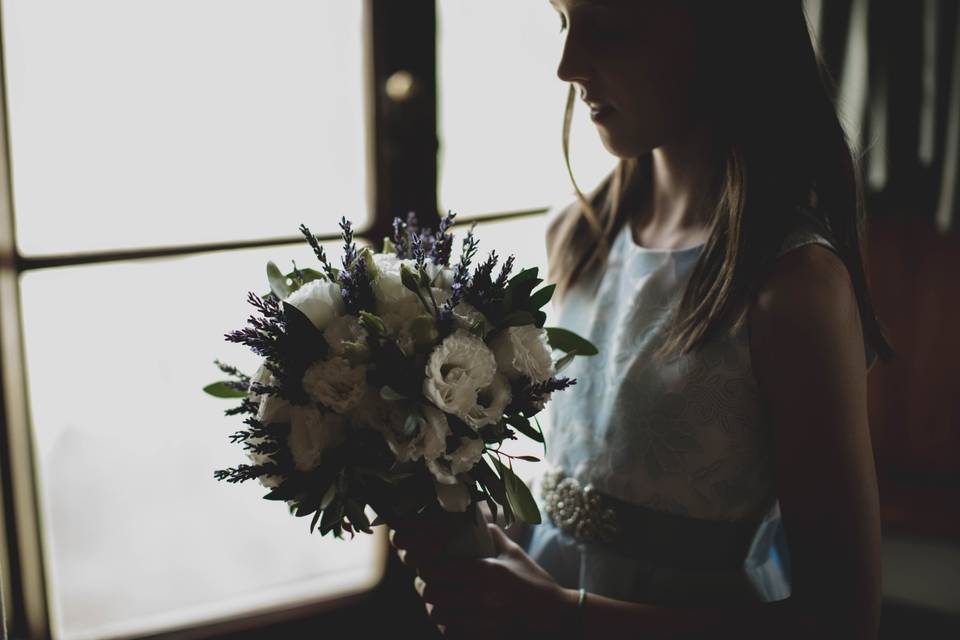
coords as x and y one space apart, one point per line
524 351
446 467
457 370
313 432
491 403
344 328
453 497
319 300
336 384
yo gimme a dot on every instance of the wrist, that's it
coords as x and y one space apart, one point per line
570 618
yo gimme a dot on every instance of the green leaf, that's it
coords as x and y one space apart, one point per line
306 275
409 279
527 458
388 246
387 393
518 495
316 518
372 323
357 353
329 496
357 517
562 363
223 389
542 297
569 341
522 425
542 439
527 275
518 319
278 281
332 515
410 424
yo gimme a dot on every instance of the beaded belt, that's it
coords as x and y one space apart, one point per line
664 539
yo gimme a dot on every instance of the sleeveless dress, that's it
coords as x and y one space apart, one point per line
689 439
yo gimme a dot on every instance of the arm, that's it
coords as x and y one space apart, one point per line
807 353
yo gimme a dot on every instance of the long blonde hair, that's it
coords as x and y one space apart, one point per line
784 148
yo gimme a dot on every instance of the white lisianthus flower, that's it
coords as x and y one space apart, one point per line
345 328
336 384
312 433
319 300
389 418
465 315
457 370
446 467
388 288
453 497
491 403
271 409
440 276
524 351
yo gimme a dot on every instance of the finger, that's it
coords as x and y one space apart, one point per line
502 543
447 597
449 570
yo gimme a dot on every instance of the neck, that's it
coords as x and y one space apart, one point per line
683 172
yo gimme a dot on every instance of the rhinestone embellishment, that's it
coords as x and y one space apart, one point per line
577 510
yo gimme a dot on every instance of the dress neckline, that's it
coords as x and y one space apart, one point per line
626 238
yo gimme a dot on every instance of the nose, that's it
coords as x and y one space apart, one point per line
573 65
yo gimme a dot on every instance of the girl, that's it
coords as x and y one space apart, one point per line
712 472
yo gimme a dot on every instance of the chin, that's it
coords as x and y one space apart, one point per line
625 147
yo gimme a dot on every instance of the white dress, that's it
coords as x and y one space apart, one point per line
690 440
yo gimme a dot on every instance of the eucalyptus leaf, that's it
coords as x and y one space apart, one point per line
410 424
518 495
278 281
562 363
387 393
518 319
568 341
542 297
522 425
224 389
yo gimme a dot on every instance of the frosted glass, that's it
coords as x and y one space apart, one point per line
162 122
501 110
138 534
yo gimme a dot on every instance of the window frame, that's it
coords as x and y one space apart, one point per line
402 158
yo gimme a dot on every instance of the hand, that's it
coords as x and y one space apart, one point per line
507 596
421 539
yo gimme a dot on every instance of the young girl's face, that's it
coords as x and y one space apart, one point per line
634 63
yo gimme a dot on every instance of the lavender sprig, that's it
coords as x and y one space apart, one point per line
461 280
481 291
416 250
328 269
230 370
501 282
400 238
349 246
355 288
443 241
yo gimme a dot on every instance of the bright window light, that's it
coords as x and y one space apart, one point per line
501 110
163 122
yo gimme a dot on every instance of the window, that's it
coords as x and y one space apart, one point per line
160 124
160 152
501 110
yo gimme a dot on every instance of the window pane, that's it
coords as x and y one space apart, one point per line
162 122
139 535
501 110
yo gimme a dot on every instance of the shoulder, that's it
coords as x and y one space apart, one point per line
805 312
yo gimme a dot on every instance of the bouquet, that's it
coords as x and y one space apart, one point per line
391 383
